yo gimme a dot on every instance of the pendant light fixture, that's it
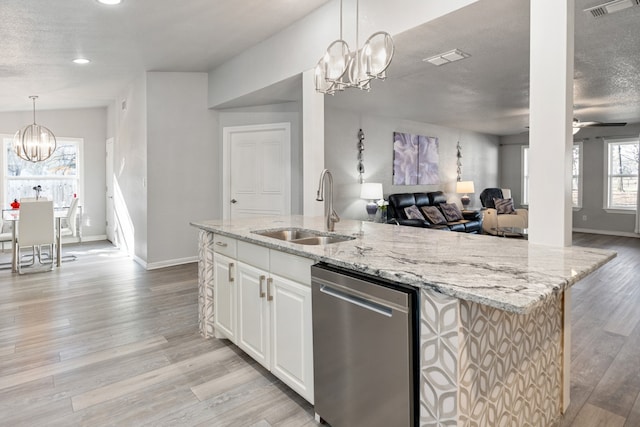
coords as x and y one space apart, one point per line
34 143
340 68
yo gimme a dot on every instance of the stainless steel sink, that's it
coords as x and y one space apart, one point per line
304 237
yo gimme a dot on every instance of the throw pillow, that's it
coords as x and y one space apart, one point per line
433 214
451 212
413 212
504 206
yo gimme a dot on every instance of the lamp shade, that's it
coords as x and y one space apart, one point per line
371 191
465 187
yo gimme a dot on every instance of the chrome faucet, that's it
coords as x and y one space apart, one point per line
330 214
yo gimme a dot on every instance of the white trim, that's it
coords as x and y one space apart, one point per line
139 260
170 263
525 201
227 131
524 166
79 142
606 232
605 196
621 211
580 172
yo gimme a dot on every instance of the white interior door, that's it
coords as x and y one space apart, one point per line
257 170
110 231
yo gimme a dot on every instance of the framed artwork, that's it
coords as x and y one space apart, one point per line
415 159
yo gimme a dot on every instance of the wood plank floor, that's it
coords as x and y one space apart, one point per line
101 341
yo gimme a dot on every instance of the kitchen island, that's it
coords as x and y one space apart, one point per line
494 318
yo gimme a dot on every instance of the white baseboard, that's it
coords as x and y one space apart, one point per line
171 263
139 260
93 238
606 232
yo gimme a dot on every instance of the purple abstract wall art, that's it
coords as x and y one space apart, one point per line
415 159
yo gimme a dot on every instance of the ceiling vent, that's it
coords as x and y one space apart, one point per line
611 7
447 57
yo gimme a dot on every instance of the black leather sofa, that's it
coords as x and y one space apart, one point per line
472 222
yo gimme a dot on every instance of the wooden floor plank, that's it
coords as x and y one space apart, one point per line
7 381
146 380
592 416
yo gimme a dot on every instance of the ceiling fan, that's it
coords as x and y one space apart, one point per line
577 125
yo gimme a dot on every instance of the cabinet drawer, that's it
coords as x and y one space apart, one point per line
291 266
225 245
255 255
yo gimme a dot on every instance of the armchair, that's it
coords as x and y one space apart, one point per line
492 220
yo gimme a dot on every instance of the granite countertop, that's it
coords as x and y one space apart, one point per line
505 273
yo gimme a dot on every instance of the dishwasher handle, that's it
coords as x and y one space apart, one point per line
357 300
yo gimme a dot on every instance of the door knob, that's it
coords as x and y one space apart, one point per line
234 201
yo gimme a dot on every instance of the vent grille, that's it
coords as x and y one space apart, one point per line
611 7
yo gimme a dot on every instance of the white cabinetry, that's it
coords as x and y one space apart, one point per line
272 291
292 336
224 290
253 313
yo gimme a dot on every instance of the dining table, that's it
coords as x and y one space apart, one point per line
13 216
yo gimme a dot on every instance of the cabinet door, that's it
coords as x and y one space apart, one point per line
253 313
292 339
224 296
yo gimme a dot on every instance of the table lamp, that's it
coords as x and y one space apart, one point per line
371 191
465 187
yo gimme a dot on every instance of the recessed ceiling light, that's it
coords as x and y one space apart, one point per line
81 61
110 2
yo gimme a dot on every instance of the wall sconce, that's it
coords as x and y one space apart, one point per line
360 156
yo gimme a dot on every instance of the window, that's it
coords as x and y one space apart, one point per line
59 176
576 175
622 174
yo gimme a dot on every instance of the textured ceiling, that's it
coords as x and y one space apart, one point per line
487 92
40 38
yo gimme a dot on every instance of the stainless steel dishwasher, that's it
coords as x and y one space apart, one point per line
365 350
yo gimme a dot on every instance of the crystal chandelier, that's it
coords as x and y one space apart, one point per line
340 68
34 143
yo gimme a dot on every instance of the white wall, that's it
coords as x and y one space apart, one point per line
479 163
598 220
90 125
181 164
278 113
130 168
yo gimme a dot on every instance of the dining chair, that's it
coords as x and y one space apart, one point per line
35 230
69 228
33 199
5 236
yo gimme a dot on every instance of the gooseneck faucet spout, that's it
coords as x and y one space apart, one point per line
330 214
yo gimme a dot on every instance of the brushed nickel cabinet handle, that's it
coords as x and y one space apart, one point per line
261 281
222 244
230 271
269 283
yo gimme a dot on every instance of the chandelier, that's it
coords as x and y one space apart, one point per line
34 143
340 68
